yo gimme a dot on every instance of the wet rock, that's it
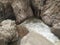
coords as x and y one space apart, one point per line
8 31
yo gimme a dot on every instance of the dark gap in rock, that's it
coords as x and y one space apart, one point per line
1 11
33 10
6 12
9 13
44 2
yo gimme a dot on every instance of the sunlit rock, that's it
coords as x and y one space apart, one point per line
39 33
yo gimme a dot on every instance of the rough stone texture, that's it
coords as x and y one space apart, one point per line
22 31
2 42
39 33
37 6
6 11
51 15
51 12
1 11
22 10
5 1
56 29
8 31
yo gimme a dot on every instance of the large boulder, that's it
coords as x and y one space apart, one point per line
39 33
1 11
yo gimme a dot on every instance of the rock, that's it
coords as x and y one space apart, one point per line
58 43
22 10
6 1
6 12
8 31
1 12
2 42
37 6
56 29
39 33
50 13
9 13
22 31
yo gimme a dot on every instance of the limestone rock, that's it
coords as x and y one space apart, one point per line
39 33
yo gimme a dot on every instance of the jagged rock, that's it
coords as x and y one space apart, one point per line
8 31
39 33
56 29
1 11
51 12
22 31
22 10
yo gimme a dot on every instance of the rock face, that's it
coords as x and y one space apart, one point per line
22 10
39 33
8 32
51 12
